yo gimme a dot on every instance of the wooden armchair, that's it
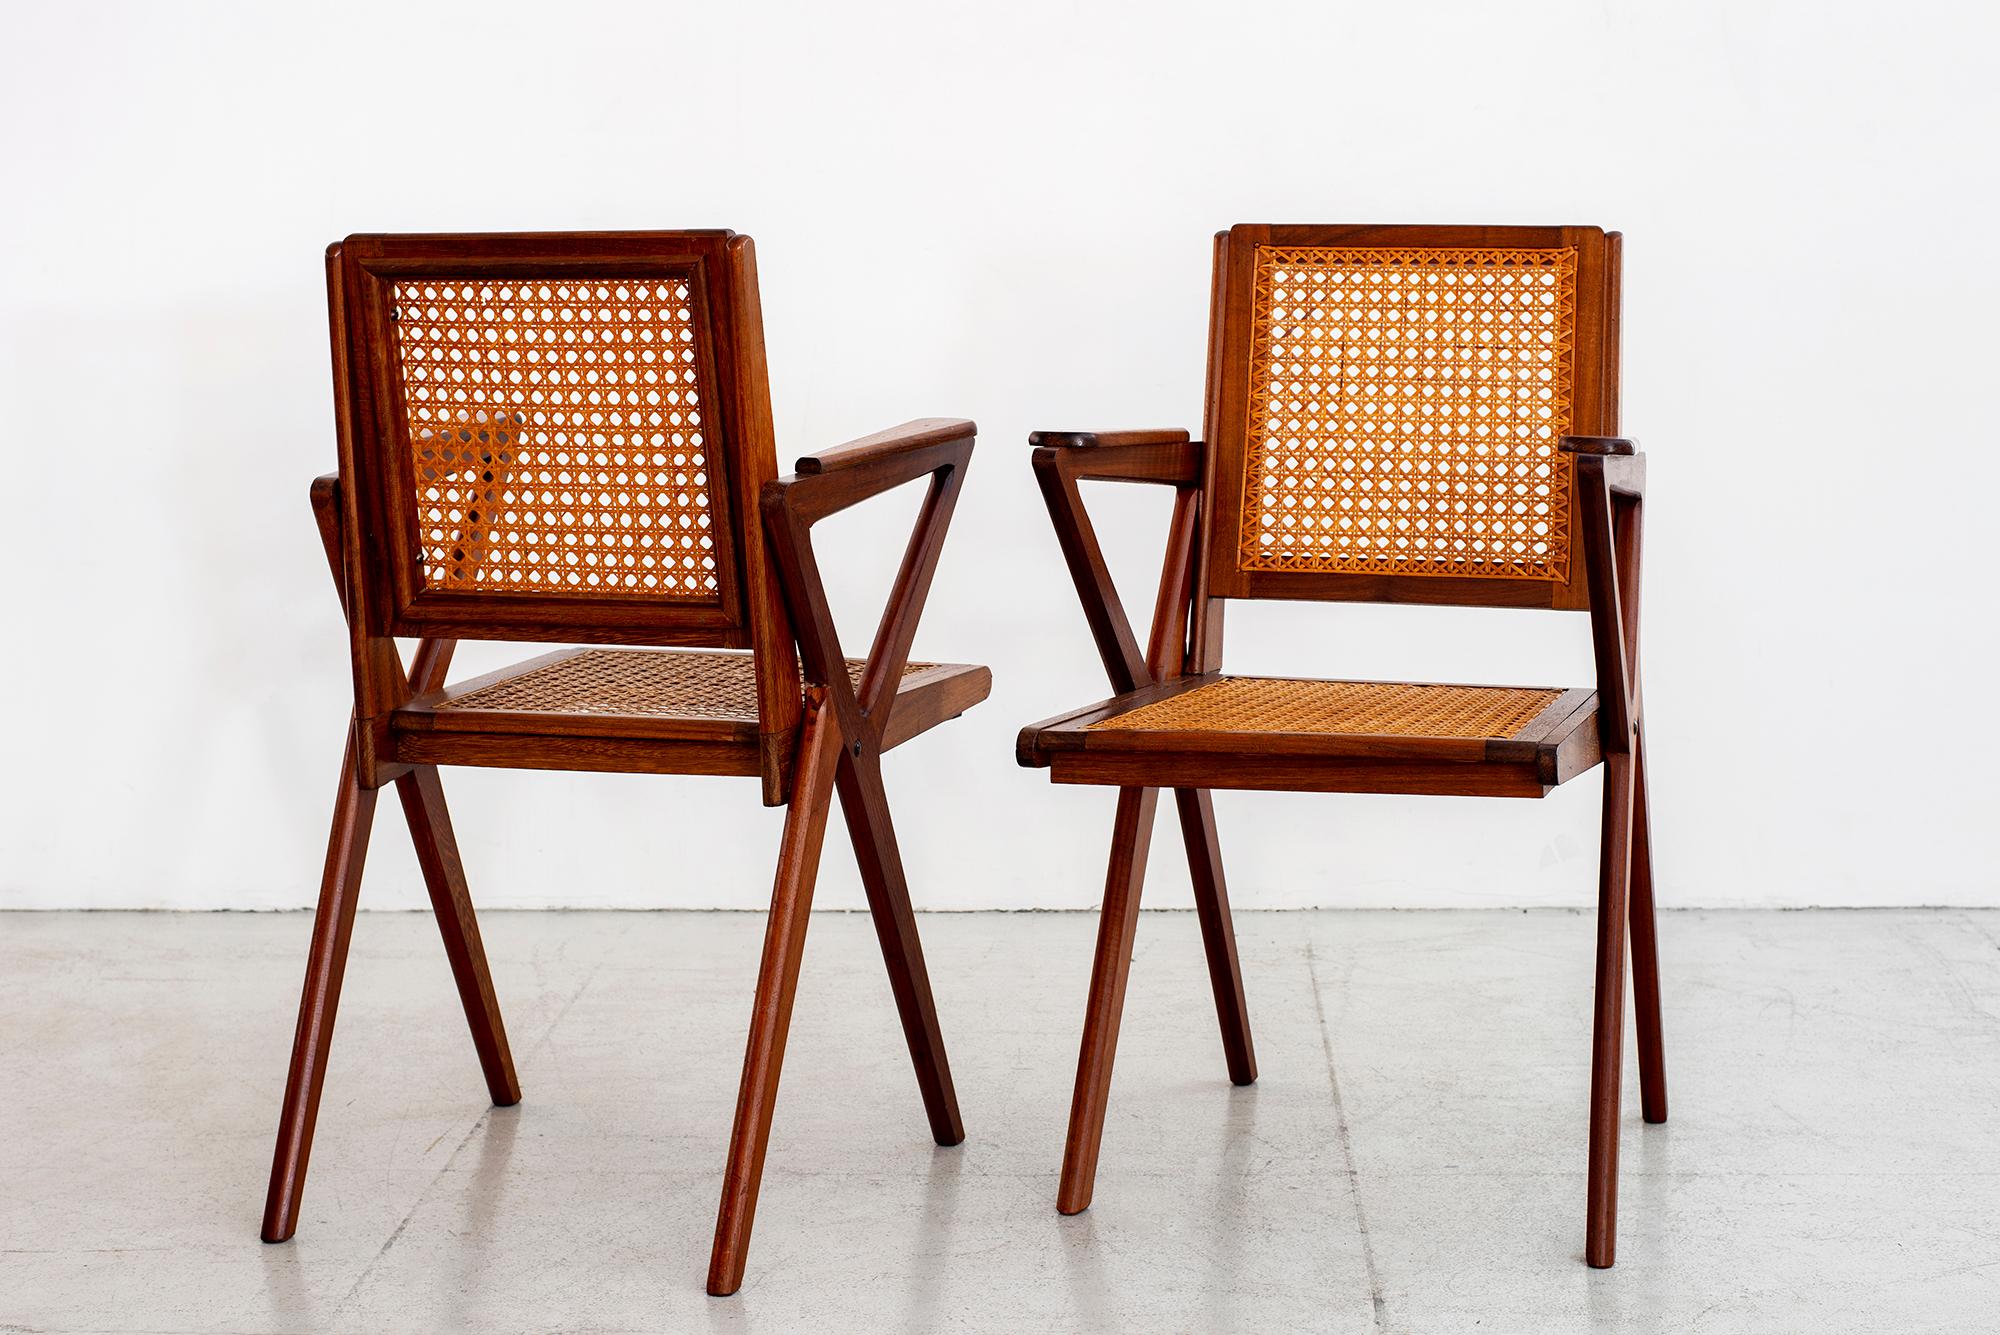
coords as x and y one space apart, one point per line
568 437
1394 414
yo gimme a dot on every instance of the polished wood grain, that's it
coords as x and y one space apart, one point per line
814 733
779 707
326 967
1111 966
1071 440
1218 934
1610 493
777 984
865 805
436 846
1646 951
1607 1031
883 447
1579 728
422 795
846 724
1173 647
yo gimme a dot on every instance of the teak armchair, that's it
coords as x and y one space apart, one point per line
568 437
1393 414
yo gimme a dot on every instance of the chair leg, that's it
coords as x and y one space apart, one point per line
422 794
866 807
1646 949
1218 933
1608 1033
771 1013
1131 838
326 963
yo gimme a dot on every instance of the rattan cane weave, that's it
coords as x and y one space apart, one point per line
1404 411
1267 704
646 683
558 435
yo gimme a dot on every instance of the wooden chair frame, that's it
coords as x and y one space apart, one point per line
828 735
1183 652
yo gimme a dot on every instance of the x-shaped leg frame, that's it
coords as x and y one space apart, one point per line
1185 636
840 749
1610 497
422 796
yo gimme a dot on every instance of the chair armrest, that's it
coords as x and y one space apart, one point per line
933 448
893 443
1596 445
1622 462
1064 458
326 514
1159 455
845 475
1610 500
1077 440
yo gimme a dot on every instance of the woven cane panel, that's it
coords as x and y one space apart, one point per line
559 436
1404 412
646 683
1262 704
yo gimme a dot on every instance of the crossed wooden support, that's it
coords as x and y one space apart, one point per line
1185 637
422 795
840 747
844 731
1610 496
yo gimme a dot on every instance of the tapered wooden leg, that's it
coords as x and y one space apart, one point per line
1218 933
777 980
422 794
866 807
1131 837
326 963
1646 949
1608 1033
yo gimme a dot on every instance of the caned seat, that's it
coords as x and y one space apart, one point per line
640 711
1300 734
1270 705
1393 414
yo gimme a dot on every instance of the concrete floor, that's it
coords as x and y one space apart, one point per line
1411 1160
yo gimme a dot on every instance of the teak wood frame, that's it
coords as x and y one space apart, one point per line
818 731
1184 648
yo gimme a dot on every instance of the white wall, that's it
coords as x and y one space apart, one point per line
1003 212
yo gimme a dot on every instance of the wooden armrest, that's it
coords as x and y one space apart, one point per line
1622 463
849 474
1072 440
893 443
1061 460
326 513
1610 501
934 448
1607 445
1120 456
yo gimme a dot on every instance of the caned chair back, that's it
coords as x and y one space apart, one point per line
556 438
1384 405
